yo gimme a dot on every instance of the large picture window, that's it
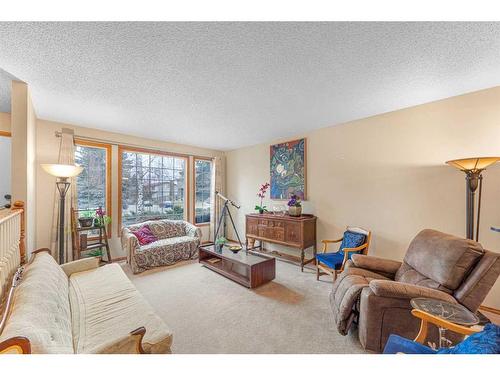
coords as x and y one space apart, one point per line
153 186
202 188
93 185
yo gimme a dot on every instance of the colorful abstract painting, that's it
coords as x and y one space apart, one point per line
288 169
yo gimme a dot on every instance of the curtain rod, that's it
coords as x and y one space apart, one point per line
92 139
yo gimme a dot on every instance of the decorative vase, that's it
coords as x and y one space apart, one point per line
295 211
261 211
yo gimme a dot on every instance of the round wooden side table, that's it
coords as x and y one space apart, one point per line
451 312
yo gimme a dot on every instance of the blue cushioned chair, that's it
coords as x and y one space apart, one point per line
354 241
486 341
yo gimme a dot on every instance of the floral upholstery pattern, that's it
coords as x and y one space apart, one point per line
177 240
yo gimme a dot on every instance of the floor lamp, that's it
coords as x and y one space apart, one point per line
63 172
473 168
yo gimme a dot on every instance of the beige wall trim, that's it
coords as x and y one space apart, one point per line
490 309
132 146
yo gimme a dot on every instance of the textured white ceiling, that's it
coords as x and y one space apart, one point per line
5 90
227 85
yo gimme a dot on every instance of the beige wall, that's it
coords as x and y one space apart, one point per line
4 122
47 152
387 173
23 128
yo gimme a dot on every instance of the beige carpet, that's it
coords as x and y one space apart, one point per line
211 314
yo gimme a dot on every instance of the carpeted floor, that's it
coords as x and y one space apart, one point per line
211 314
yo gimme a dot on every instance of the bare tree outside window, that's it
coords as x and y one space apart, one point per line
203 175
91 183
152 187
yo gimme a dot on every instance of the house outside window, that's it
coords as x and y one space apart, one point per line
153 186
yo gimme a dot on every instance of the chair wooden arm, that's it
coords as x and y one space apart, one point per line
15 345
427 318
326 242
138 335
348 250
332 241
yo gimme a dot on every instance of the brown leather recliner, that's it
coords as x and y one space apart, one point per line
436 265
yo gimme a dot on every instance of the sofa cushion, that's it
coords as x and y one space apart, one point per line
397 344
452 257
407 274
168 242
144 235
41 309
105 306
352 240
163 229
485 342
332 260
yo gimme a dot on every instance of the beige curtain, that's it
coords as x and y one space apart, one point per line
217 184
66 156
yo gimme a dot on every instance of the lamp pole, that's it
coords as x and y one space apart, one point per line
62 186
473 179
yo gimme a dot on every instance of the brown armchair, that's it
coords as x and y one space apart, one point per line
377 292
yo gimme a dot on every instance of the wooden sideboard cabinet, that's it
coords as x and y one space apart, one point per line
295 232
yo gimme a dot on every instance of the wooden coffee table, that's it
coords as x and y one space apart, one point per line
244 268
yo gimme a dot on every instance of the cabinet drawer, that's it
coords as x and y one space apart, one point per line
271 223
269 229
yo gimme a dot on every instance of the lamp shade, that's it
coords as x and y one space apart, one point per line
62 170
473 164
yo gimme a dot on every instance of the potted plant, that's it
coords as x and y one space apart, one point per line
262 194
294 206
220 242
86 220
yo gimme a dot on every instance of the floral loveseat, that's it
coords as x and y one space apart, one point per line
176 240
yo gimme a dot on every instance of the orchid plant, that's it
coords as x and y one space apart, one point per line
101 218
262 194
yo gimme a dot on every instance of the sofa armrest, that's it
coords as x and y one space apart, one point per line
375 264
129 344
15 345
394 289
80 265
192 230
129 241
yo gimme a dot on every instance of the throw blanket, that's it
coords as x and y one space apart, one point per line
345 295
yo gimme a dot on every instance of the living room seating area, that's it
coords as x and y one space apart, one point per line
79 308
159 243
377 292
257 188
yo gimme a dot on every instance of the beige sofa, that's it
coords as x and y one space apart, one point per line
177 240
80 307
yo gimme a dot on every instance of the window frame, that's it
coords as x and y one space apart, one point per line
109 184
193 211
187 182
